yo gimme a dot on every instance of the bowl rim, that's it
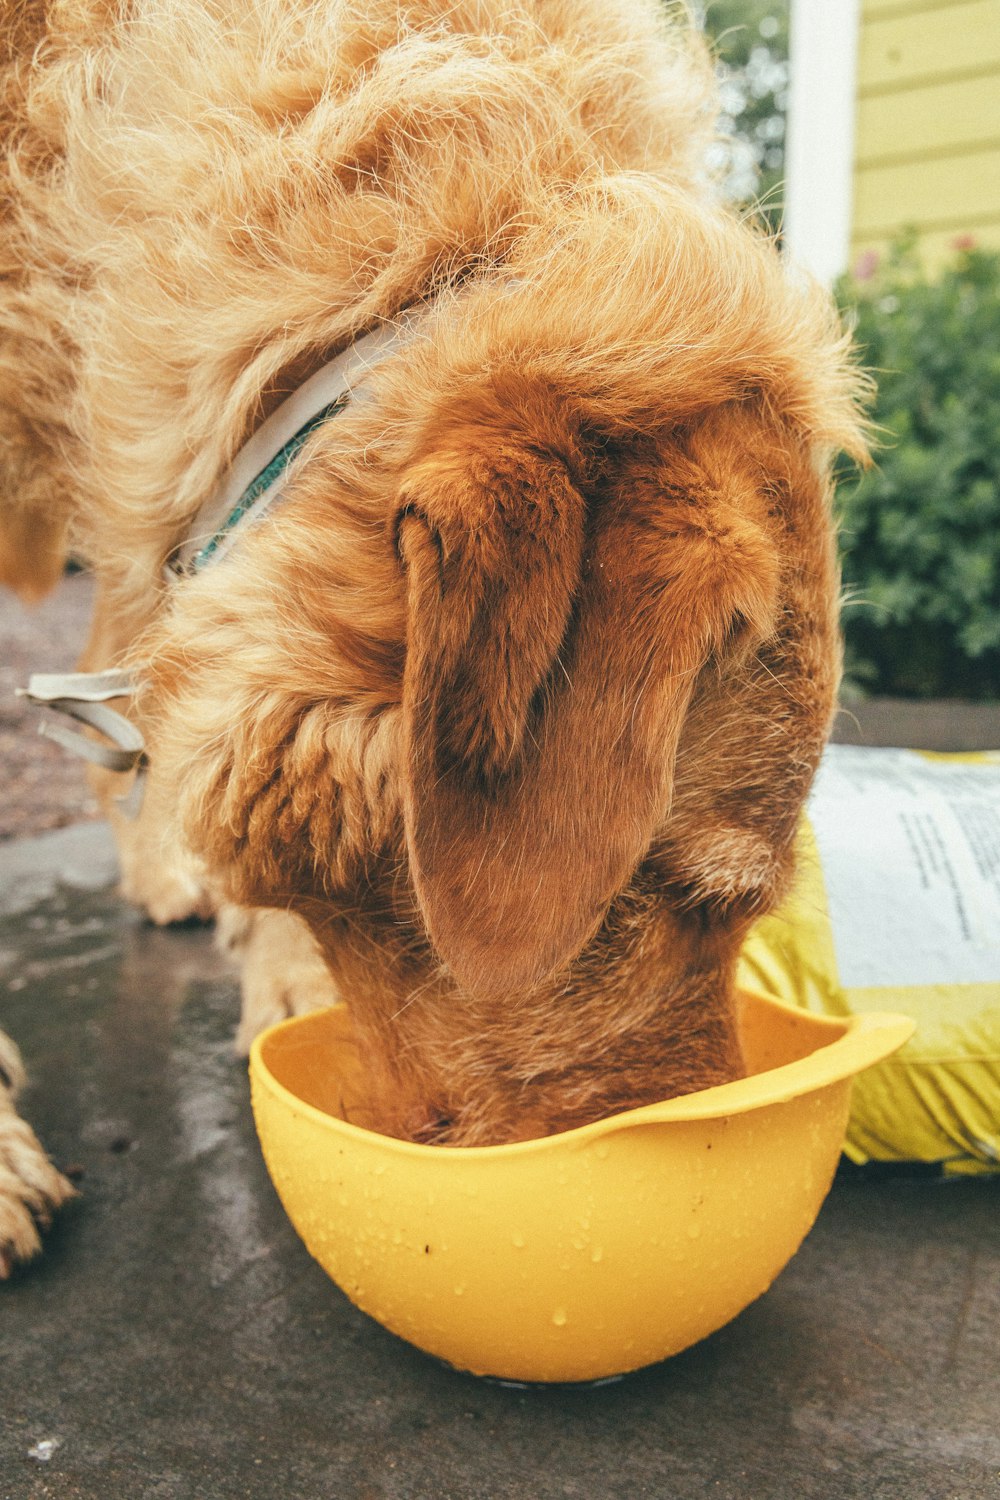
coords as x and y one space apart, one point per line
857 1042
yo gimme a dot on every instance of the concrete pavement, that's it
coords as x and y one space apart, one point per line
176 1341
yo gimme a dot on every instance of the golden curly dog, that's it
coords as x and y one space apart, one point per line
516 696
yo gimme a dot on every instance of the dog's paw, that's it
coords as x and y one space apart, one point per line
168 893
282 970
31 1189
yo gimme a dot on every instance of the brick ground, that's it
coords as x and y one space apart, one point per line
42 786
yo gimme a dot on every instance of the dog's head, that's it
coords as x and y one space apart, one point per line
518 696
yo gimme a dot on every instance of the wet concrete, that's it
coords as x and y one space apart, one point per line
177 1342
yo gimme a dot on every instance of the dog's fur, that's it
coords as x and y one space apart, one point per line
517 697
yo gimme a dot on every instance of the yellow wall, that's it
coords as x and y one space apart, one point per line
927 145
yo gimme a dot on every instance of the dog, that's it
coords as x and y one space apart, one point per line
498 722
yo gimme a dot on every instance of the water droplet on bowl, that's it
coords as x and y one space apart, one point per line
559 1317
518 1241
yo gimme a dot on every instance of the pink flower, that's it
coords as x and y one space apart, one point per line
866 265
964 242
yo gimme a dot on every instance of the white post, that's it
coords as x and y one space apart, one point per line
819 155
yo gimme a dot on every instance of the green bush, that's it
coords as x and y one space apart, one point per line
920 532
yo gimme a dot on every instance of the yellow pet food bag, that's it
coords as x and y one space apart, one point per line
896 906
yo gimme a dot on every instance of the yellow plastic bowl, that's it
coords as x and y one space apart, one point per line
580 1255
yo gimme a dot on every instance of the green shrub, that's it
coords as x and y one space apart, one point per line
920 532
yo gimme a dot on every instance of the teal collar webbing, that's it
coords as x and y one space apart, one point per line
261 491
256 477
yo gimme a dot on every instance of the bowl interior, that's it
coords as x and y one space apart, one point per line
317 1060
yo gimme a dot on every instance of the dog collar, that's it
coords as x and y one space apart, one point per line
248 489
257 476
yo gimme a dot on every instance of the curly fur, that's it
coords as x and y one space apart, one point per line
517 697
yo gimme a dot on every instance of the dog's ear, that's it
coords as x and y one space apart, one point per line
552 651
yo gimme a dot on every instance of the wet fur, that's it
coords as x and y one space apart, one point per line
517 697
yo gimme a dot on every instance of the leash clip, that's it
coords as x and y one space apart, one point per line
84 696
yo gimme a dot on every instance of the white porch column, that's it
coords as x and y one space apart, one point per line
819 156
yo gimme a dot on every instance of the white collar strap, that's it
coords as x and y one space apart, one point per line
256 477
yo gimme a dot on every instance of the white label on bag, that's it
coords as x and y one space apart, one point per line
910 850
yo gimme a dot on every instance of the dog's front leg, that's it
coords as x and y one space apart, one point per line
282 969
155 872
31 1189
